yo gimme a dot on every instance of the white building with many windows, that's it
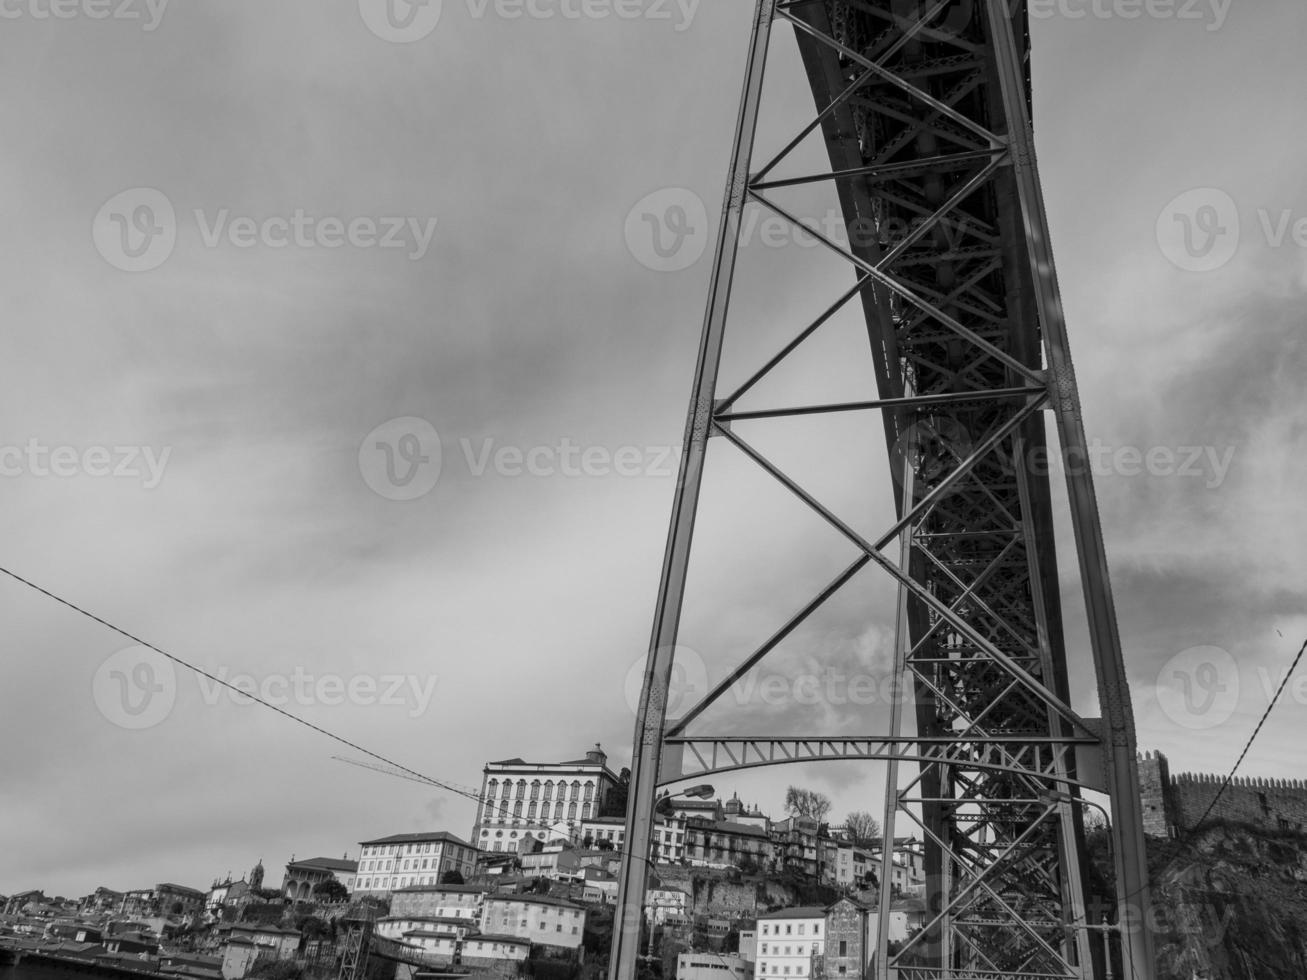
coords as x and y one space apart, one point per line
388 864
542 919
539 800
790 942
668 836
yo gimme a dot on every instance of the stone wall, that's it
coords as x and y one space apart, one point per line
1179 802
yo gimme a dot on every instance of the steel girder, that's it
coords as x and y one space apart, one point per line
924 106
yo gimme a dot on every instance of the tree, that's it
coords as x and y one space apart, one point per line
451 877
330 890
808 803
862 827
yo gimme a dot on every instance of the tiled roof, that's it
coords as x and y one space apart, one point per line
491 937
440 888
440 835
798 912
331 864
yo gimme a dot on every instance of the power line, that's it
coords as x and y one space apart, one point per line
1249 744
1226 782
218 680
405 771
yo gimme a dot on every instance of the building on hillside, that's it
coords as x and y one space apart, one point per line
725 844
101 900
228 894
484 953
689 807
908 868
748 945
302 877
271 941
668 836
399 928
441 901
557 862
797 844
846 951
170 899
661 903
137 901
906 916
791 943
737 812
599 886
238 957
853 866
193 966
542 919
712 966
539 800
15 904
403 860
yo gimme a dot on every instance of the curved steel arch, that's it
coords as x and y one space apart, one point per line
924 106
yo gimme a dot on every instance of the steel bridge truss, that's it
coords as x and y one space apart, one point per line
924 106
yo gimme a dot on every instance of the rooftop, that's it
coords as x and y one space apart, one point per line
331 864
434 835
798 912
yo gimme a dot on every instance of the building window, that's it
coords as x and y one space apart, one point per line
844 947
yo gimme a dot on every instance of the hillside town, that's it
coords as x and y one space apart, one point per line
531 891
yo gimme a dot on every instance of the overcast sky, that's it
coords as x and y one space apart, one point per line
219 386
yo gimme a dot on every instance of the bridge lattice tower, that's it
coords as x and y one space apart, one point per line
924 108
